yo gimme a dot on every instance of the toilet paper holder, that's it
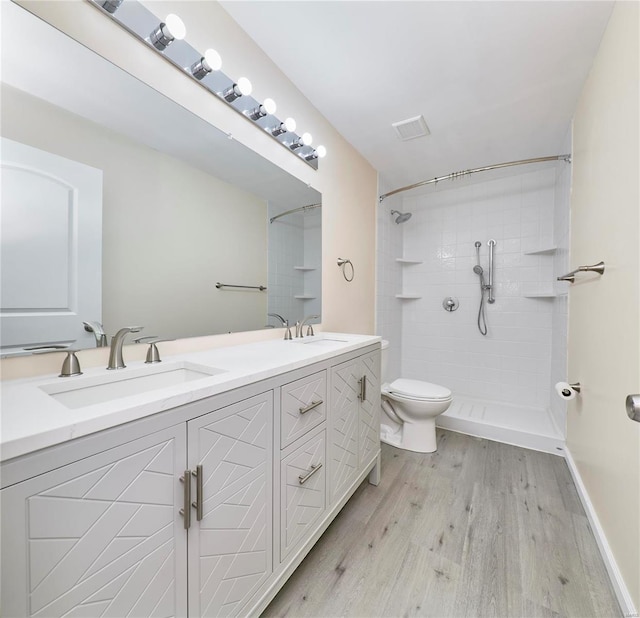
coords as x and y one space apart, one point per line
575 386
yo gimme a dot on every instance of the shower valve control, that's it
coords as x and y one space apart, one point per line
450 303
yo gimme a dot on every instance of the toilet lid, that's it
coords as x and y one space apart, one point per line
419 389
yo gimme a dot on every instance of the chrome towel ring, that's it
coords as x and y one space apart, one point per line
343 263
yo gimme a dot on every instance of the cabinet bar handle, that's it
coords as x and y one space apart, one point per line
303 478
311 406
197 505
185 479
363 388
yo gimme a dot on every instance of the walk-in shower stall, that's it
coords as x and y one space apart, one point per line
467 295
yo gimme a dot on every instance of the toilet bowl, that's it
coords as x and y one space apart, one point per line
410 410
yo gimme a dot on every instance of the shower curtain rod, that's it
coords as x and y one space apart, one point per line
455 175
290 212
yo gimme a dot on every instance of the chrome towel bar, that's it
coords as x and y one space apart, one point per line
595 268
262 288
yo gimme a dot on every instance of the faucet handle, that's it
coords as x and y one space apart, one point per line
147 339
310 332
153 355
70 365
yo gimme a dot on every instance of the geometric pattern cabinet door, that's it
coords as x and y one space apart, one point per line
343 441
230 548
369 432
99 537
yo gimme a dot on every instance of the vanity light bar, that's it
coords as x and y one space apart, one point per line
166 37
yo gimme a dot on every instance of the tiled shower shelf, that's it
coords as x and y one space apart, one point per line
304 297
405 261
542 251
545 294
408 296
305 268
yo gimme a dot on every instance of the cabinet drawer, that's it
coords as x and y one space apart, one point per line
303 491
303 407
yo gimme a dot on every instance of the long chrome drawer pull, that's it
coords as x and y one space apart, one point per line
311 406
303 478
363 388
185 479
197 504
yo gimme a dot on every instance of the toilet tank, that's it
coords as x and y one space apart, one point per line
385 361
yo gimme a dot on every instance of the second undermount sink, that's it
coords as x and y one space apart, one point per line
321 339
86 391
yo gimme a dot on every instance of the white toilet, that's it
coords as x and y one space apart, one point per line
410 409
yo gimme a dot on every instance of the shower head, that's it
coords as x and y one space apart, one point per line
402 217
478 269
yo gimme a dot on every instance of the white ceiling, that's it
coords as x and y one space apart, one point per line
495 81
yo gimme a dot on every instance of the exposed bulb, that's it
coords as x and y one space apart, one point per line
321 151
307 139
290 125
167 32
213 59
266 108
241 88
175 26
244 86
269 106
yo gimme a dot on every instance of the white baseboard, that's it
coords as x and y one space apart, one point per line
620 588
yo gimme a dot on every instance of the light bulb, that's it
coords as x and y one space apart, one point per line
213 59
175 26
244 86
241 88
269 106
321 151
290 124
167 32
307 139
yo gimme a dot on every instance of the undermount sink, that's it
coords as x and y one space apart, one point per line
82 392
320 339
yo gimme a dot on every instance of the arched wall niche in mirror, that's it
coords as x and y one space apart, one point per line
183 206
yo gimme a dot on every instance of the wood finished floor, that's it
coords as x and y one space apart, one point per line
476 529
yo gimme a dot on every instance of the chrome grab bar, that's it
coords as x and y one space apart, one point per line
311 406
492 244
262 288
571 277
303 478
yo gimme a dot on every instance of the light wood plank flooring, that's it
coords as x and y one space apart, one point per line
476 529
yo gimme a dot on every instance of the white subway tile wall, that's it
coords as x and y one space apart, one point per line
513 363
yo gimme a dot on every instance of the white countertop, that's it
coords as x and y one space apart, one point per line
31 419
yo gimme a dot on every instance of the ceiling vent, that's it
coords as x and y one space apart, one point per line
411 128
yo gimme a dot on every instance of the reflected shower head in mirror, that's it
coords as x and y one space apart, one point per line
402 216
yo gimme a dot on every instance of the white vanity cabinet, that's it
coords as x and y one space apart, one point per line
96 526
230 537
355 407
99 535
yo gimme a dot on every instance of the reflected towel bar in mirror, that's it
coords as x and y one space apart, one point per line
262 288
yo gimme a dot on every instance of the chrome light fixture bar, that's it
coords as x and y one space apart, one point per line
166 37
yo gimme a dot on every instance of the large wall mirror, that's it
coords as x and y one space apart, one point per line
122 208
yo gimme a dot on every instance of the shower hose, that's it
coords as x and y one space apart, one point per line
482 320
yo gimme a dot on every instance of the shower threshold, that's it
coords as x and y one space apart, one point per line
532 428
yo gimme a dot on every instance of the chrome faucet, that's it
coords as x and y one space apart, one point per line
300 325
98 331
285 324
115 355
